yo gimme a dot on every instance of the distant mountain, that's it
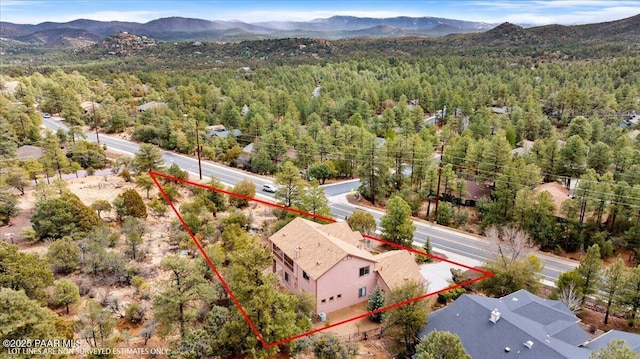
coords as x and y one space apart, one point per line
66 37
84 32
507 34
179 28
350 23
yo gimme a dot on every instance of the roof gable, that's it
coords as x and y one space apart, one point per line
398 267
318 250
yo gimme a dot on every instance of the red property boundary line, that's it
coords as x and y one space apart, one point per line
154 175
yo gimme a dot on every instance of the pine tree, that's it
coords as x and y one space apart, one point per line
589 269
428 249
65 293
441 345
376 301
613 278
397 226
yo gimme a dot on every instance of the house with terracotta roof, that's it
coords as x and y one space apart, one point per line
331 262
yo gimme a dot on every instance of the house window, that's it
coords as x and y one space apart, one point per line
305 276
331 299
286 277
324 301
362 292
364 271
339 296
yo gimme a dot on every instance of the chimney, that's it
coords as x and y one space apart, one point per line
296 253
495 315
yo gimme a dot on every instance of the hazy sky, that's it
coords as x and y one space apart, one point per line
539 12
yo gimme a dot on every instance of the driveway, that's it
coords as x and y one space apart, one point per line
438 274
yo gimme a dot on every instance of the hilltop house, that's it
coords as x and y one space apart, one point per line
519 325
151 105
330 262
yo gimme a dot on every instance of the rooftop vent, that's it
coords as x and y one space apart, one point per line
507 349
528 344
495 315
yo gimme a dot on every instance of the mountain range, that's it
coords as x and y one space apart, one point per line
81 32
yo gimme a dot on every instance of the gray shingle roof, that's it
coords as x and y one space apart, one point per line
633 340
553 331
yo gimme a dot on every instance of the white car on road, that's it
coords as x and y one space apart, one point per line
269 188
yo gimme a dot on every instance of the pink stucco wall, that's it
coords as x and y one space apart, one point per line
344 278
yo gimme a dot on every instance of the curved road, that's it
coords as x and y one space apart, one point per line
474 249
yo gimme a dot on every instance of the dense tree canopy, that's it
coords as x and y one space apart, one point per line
24 271
63 216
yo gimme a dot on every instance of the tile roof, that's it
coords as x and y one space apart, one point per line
397 267
323 246
319 248
343 231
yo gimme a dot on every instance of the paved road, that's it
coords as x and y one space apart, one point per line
443 239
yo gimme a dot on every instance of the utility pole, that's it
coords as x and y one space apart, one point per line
373 173
198 147
435 215
95 121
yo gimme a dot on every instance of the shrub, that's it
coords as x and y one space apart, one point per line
130 204
134 312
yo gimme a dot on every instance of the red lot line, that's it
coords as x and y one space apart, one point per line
485 274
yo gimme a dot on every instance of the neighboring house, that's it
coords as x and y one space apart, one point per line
519 325
225 134
330 262
633 340
431 120
151 105
558 192
26 152
474 192
222 132
630 119
501 110
215 128
244 160
248 149
89 106
524 148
